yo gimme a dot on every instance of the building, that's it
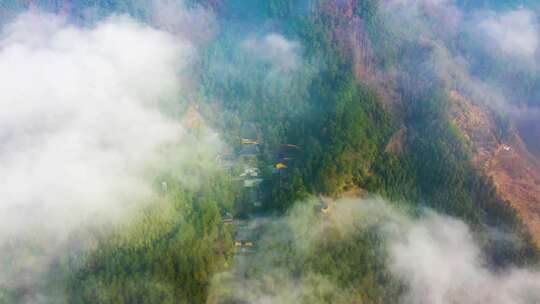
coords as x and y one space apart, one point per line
249 153
227 218
248 134
252 182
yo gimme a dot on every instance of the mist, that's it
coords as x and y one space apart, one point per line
487 52
275 49
102 121
515 33
91 118
433 257
440 262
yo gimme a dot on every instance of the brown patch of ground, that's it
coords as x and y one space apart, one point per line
353 192
193 119
518 181
382 82
397 141
477 127
328 203
512 168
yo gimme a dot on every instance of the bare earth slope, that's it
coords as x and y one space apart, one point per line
512 168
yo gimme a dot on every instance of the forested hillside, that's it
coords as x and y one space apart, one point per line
303 148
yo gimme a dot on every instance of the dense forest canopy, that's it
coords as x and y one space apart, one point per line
280 151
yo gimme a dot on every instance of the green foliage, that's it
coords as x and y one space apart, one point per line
170 252
342 129
167 255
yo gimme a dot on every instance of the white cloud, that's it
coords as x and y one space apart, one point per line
436 258
515 33
196 24
441 263
274 48
409 16
82 125
80 118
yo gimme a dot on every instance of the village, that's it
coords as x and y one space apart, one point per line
242 164
248 220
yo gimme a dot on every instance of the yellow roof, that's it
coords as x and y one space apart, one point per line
280 166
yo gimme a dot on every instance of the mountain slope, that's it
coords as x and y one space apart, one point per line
509 164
